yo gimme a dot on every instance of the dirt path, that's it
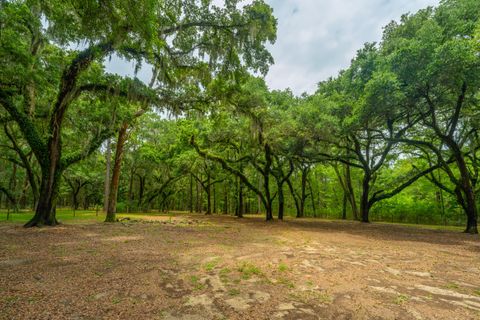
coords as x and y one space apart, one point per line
197 267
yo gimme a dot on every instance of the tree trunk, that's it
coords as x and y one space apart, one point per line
281 201
259 199
108 160
469 193
45 213
198 209
225 198
112 198
303 193
13 186
240 200
268 198
351 192
471 220
314 209
364 203
130 189
75 193
214 199
191 194
208 191
294 196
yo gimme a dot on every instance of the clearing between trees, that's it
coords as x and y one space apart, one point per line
192 266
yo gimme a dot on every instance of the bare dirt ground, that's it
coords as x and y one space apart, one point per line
197 267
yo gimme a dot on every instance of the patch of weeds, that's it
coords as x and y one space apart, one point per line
195 281
282 267
11 299
325 298
286 282
452 286
224 272
401 299
98 273
476 292
248 269
116 300
309 283
233 292
109 264
209 266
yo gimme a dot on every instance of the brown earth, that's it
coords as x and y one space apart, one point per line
198 267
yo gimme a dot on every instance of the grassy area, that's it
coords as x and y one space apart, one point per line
426 226
65 215
82 216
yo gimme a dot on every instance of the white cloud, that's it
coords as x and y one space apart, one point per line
317 38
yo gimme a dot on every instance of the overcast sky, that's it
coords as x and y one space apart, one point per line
318 38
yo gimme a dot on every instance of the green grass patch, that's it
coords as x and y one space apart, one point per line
233 292
401 299
211 265
195 282
248 269
286 282
282 267
452 286
63 215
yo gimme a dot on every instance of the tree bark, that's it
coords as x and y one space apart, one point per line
191 194
294 196
112 198
303 193
108 160
469 193
225 198
240 200
45 213
214 199
208 191
351 192
130 189
281 201
364 203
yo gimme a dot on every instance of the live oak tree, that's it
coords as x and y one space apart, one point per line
53 52
368 118
435 57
